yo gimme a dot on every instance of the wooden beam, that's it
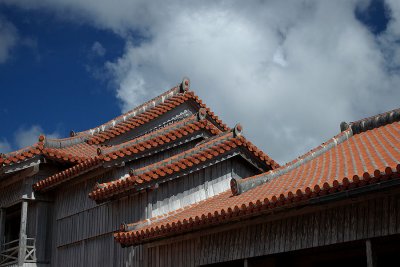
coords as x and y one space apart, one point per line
371 260
22 234
2 226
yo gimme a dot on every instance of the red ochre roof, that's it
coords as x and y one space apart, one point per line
366 158
208 150
162 136
83 145
74 154
151 114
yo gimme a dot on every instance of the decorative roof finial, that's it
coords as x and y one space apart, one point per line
185 85
201 115
344 126
123 227
237 131
42 138
72 133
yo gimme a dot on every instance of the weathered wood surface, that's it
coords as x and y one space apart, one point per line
350 222
22 233
11 194
82 225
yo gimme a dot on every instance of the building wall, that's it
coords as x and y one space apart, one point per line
82 234
11 194
289 231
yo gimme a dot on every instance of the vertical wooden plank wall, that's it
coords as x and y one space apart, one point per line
11 194
79 222
349 222
191 188
357 221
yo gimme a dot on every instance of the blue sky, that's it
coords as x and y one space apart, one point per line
49 78
289 72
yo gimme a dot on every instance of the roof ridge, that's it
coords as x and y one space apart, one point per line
186 121
182 87
239 186
152 113
67 141
372 122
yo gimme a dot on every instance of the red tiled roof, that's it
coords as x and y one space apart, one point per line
212 148
151 140
75 153
79 147
151 114
366 158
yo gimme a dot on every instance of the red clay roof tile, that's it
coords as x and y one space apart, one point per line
203 152
365 158
137 145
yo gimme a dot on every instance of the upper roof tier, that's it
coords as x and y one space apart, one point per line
83 145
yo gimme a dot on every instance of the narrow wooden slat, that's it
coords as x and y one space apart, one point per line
353 222
340 224
315 230
372 217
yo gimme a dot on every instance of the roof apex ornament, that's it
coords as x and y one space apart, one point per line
72 133
123 227
201 115
185 85
42 137
344 126
237 131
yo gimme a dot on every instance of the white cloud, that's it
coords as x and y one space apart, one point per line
8 38
5 146
290 72
98 49
28 136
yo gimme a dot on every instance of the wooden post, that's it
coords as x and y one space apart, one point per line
371 262
245 263
22 233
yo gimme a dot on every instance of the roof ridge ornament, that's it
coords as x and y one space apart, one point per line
41 138
185 85
238 130
201 115
344 126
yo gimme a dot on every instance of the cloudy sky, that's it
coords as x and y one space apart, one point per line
289 71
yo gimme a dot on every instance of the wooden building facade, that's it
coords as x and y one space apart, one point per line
169 184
